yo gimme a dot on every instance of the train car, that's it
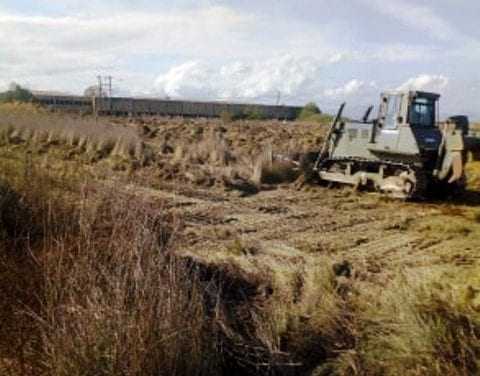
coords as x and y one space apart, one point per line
121 106
117 106
173 108
160 107
142 107
65 102
204 109
237 110
219 109
291 113
270 112
190 109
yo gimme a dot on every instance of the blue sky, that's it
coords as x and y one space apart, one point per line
244 50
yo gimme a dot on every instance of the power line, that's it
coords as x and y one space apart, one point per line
104 84
279 96
109 78
99 92
104 90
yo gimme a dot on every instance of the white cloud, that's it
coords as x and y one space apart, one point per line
453 39
350 88
240 51
418 17
395 53
103 42
191 79
32 46
425 82
241 80
74 49
388 53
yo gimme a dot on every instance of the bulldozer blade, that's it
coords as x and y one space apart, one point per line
457 166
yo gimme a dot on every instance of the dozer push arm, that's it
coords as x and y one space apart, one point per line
451 156
367 114
326 144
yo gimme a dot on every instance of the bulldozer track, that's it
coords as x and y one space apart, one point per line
419 187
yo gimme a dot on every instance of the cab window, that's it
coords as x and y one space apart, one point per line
422 113
392 111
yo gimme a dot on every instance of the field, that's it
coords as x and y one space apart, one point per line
193 247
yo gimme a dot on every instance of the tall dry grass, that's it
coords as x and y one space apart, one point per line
118 302
425 324
28 124
90 286
212 158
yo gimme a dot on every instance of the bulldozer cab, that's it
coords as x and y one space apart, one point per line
414 108
407 123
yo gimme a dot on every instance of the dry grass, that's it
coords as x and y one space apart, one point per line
99 290
473 175
237 154
92 287
27 124
426 324
93 280
301 317
210 160
117 302
213 159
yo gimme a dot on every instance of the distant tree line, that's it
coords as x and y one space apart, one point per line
311 112
16 93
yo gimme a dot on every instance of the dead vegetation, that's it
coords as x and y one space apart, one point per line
117 301
240 157
204 153
424 324
99 289
175 267
96 140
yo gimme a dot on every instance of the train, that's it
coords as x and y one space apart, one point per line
124 106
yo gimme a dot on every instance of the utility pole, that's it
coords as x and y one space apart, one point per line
100 86
97 94
279 96
109 78
104 84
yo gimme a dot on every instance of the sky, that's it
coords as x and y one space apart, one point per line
270 51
